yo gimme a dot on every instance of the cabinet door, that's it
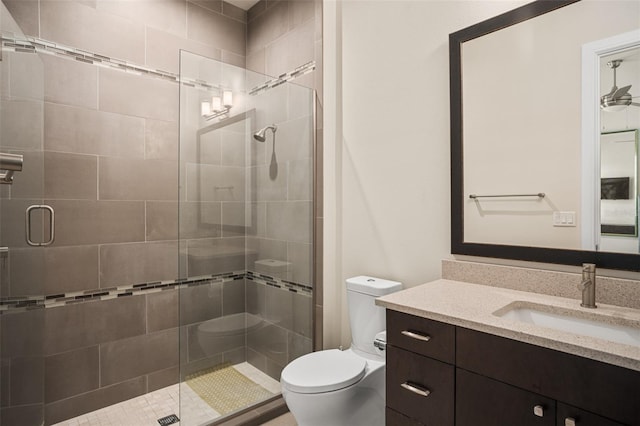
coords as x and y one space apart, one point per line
487 402
605 389
572 416
421 388
393 418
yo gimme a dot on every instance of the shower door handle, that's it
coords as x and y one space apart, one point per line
52 224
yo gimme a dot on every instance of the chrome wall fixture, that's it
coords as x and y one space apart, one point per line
9 164
260 134
539 195
52 225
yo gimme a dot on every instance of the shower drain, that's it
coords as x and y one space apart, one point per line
168 420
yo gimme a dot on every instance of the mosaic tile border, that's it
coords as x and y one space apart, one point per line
283 78
279 283
39 302
28 44
54 300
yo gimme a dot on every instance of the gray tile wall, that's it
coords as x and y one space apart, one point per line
79 357
110 138
285 332
109 168
280 37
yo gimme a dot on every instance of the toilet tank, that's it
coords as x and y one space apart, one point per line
365 317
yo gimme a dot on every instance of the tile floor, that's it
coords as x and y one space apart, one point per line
145 410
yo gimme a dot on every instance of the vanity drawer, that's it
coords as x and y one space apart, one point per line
407 371
420 335
566 413
486 402
600 388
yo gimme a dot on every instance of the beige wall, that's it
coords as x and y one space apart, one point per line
387 198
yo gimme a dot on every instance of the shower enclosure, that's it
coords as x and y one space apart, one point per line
142 254
25 273
245 226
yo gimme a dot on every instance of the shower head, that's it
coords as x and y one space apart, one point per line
260 134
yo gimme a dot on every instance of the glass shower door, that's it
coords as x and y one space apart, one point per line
22 217
245 229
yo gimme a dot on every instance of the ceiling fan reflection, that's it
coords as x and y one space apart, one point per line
618 98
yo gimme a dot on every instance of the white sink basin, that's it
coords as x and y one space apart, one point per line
605 327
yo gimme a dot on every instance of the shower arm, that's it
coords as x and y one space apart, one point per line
9 163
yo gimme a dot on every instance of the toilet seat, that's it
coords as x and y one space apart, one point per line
323 371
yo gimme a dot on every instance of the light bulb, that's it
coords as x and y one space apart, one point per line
216 103
227 98
205 108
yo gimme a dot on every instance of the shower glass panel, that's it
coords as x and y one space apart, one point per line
23 277
246 240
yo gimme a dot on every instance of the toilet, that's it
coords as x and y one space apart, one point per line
335 387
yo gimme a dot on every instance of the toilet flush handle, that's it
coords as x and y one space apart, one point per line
380 341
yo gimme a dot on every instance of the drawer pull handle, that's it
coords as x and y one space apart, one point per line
416 389
538 410
416 336
569 421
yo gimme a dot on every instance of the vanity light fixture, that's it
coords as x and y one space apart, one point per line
218 106
618 99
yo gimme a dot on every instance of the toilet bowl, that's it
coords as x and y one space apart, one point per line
334 387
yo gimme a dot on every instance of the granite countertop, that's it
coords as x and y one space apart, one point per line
473 306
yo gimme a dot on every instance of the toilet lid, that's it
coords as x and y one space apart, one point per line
323 371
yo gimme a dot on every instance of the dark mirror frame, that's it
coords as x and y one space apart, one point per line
625 261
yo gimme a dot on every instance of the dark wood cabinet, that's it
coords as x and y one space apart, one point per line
422 336
479 379
488 402
603 389
393 418
420 387
567 415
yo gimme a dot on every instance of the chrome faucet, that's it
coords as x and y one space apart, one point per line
588 285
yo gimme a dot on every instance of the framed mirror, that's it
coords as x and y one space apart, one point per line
526 132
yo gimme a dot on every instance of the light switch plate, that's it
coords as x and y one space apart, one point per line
564 218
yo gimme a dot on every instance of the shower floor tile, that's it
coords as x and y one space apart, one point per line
178 399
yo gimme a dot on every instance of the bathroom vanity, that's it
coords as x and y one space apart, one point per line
455 356
474 355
